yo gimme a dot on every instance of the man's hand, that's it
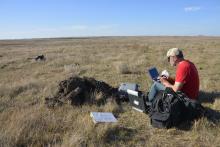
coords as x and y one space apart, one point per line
165 82
177 86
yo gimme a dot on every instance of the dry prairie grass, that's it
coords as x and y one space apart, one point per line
25 120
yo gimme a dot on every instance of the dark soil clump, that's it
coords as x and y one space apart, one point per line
78 91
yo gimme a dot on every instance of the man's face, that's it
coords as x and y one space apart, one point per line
172 60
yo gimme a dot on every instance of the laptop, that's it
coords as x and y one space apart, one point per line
153 73
138 101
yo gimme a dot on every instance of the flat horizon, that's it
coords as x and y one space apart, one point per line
88 37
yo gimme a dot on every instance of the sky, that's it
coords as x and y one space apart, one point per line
21 19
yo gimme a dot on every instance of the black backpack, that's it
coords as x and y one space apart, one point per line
193 109
169 109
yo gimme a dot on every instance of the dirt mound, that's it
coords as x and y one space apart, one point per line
80 90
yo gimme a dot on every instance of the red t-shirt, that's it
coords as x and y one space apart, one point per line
187 74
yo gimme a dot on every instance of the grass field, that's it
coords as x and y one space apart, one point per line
24 83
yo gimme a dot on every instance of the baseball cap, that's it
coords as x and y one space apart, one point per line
173 52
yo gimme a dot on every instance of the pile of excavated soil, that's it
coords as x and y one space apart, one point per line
78 90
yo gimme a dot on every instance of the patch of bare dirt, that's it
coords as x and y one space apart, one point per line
79 90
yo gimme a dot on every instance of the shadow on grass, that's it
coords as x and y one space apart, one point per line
119 134
208 97
213 116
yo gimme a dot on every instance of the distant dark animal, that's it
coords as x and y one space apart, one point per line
40 58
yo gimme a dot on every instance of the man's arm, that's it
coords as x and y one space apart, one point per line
171 80
176 86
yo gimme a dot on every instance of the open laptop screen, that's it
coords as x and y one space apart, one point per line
153 73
